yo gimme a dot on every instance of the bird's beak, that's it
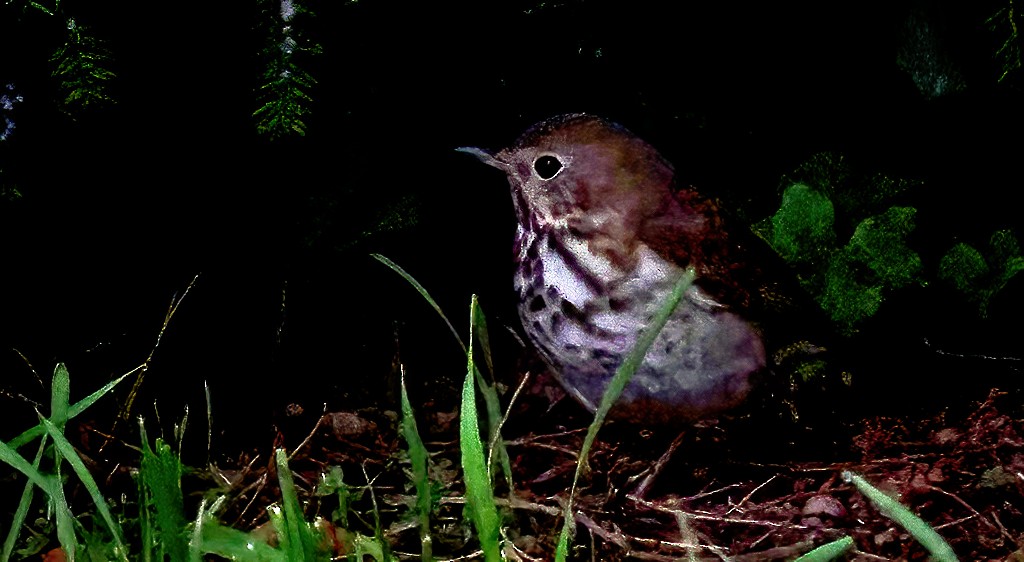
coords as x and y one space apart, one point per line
484 156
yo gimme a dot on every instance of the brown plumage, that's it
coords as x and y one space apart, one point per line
603 234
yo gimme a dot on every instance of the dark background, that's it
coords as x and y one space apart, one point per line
122 206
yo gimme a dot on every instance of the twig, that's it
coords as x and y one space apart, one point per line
508 411
312 432
596 529
648 481
752 492
718 518
133 393
966 505
258 486
957 522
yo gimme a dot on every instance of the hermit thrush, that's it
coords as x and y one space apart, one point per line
603 234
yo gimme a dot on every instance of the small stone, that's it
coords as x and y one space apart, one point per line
824 505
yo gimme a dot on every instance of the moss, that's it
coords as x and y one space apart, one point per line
980 277
849 281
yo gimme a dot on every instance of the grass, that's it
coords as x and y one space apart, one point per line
55 448
164 529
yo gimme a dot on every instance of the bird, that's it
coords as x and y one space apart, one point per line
603 232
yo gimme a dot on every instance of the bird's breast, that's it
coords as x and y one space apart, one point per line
584 314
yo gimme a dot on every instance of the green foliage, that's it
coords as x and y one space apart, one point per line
848 280
800 361
162 510
921 531
81 66
24 6
8 192
804 222
297 540
82 69
333 483
879 243
479 496
490 394
846 299
66 452
51 480
418 457
875 259
1007 22
360 545
237 545
830 551
283 93
478 468
423 293
163 527
964 268
981 276
611 395
167 535
295 535
855 195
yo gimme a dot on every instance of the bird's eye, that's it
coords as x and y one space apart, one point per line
547 166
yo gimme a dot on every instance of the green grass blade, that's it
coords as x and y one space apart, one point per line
300 538
418 457
14 459
21 512
160 472
195 542
478 328
333 482
234 544
422 291
75 409
65 521
378 529
483 337
147 529
209 420
284 539
636 355
488 391
51 486
931 540
829 551
622 376
479 496
71 456
369 546
60 393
